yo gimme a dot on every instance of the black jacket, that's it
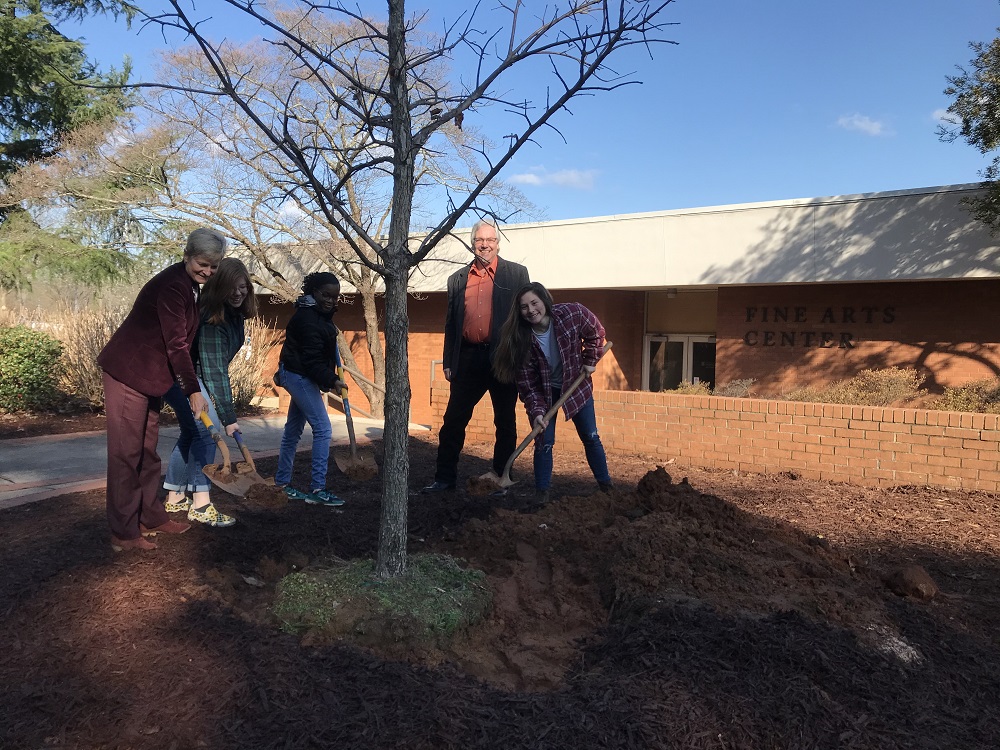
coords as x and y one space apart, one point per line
310 347
509 278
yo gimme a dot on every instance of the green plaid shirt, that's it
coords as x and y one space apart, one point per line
217 345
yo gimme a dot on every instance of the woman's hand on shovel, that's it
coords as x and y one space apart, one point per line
198 403
541 422
232 429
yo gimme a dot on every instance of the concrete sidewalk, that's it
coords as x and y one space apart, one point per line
33 469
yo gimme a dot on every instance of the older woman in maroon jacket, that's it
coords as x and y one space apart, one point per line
149 352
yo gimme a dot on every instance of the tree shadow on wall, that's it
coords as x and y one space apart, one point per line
880 239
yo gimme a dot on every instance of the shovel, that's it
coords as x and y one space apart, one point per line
357 465
505 481
234 482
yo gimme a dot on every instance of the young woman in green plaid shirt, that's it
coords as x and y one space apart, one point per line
226 301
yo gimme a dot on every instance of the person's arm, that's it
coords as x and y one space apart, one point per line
450 324
174 305
312 354
592 337
213 356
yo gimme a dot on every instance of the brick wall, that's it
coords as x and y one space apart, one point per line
863 445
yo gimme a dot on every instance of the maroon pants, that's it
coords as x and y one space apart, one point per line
133 463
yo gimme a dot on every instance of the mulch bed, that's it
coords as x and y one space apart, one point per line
688 609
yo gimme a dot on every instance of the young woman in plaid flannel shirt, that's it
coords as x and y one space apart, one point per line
226 301
543 348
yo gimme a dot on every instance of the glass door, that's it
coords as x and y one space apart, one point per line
669 360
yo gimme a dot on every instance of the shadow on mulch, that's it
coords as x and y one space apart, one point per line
666 620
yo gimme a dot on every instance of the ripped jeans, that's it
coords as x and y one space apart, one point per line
586 427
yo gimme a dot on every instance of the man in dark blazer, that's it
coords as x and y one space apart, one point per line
480 297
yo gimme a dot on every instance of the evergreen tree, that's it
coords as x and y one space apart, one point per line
48 88
46 80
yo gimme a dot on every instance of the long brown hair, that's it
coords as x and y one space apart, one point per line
515 336
218 288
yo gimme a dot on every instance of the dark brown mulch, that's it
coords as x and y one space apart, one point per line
55 423
725 611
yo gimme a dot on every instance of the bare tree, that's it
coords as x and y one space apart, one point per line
388 80
200 158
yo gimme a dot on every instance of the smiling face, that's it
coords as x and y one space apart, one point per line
485 245
326 298
239 292
532 308
200 268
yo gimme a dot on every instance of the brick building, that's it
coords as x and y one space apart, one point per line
788 293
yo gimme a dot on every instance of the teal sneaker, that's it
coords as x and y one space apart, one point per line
294 494
323 497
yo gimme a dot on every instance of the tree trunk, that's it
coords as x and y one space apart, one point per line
396 436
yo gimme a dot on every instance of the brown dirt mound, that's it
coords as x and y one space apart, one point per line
483 485
265 497
358 472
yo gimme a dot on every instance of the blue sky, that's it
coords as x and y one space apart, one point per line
758 101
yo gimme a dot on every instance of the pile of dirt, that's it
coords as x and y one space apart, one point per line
720 610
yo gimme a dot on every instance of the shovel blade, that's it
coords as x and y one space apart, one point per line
228 481
359 467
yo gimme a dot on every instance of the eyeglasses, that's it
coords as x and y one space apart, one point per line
485 240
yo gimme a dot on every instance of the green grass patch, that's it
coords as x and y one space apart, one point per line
433 600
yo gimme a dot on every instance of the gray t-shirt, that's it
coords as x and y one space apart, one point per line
550 348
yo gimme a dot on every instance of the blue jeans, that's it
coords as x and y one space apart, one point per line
586 427
309 406
194 449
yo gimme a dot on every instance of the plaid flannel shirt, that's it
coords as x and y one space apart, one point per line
217 345
580 337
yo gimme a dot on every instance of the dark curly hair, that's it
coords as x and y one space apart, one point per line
314 281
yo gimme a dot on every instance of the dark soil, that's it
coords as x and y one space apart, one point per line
688 609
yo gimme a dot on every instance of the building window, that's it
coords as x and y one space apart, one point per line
668 360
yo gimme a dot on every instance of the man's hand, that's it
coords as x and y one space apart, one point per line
232 428
447 374
198 403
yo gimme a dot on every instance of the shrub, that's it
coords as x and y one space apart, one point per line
885 387
735 388
246 372
982 396
29 371
83 334
687 388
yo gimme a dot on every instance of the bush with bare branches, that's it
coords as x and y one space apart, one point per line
83 334
890 386
247 370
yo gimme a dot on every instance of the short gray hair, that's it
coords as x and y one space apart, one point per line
484 222
206 243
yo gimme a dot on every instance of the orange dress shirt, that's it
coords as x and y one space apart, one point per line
479 303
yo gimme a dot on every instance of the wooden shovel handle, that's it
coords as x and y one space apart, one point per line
244 450
548 415
347 405
206 420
